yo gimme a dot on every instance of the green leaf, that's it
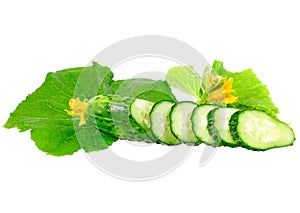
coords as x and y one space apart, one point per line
92 81
185 79
142 88
44 108
57 141
91 139
43 113
251 92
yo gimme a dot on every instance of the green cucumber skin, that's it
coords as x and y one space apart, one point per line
112 115
213 130
233 122
233 125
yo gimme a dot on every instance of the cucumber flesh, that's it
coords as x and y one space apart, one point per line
160 123
199 120
220 126
181 122
257 130
140 111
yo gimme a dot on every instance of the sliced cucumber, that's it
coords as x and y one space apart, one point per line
140 111
160 123
199 121
218 125
181 123
257 130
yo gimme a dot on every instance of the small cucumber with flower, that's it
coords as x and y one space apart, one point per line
172 123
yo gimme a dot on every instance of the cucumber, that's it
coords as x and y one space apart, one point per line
172 123
199 121
181 122
218 126
256 130
160 123
112 116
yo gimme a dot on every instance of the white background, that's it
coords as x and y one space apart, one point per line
37 37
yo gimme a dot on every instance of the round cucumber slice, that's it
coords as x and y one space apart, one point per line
257 130
140 111
218 125
199 121
160 123
181 122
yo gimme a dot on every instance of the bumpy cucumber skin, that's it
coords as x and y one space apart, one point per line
213 130
112 115
233 125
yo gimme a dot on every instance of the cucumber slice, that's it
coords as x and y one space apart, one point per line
199 121
160 123
218 125
257 130
181 122
140 111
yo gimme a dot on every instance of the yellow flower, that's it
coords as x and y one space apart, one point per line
222 94
78 108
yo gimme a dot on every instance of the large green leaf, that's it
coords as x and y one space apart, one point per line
43 113
185 79
142 88
251 92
